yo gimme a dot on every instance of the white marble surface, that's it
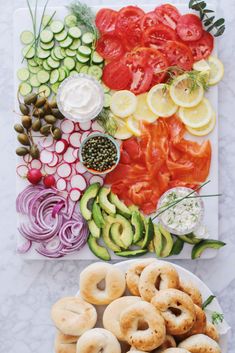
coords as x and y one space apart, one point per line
27 289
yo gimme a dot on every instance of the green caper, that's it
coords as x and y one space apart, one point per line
26 121
23 139
24 109
40 102
18 128
53 103
45 129
22 151
50 119
57 113
39 112
47 108
36 126
30 98
34 152
57 133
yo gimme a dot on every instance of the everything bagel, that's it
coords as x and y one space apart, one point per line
133 275
98 340
200 344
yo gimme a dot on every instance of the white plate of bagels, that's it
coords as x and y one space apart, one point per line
138 306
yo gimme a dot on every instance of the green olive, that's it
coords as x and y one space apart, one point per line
30 98
50 119
34 152
18 128
57 113
22 151
57 134
36 125
23 139
26 121
45 129
40 102
24 109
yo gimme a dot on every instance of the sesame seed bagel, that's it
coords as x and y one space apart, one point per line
191 289
200 344
133 275
98 340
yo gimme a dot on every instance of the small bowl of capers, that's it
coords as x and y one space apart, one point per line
99 153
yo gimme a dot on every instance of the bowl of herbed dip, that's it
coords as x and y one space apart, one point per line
80 98
183 217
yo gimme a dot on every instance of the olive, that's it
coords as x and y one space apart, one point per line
22 151
50 119
34 152
30 98
36 126
53 103
57 134
45 129
26 121
39 112
24 109
57 113
23 139
18 128
40 102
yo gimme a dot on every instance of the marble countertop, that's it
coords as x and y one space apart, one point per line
27 289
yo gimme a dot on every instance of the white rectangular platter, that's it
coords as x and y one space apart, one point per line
22 21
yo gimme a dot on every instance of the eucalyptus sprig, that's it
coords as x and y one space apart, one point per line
207 16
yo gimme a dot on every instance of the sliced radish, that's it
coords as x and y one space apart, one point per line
47 141
96 179
61 146
50 148
61 184
96 126
46 157
75 139
64 170
49 170
22 170
36 163
65 137
55 161
78 182
75 194
85 126
27 159
75 152
80 168
77 127
69 156
67 126
84 136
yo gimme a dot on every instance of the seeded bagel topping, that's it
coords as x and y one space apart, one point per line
99 153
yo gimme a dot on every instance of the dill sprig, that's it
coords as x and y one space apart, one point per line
106 120
217 317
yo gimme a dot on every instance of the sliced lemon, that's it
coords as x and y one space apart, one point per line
185 92
204 130
133 125
122 132
198 116
123 103
142 111
160 102
216 70
201 65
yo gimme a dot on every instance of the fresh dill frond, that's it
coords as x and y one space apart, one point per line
217 317
197 79
106 120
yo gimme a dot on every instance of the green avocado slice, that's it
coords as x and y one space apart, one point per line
206 244
121 207
99 251
107 236
104 202
97 215
190 238
138 224
149 233
88 198
167 242
131 253
94 230
157 241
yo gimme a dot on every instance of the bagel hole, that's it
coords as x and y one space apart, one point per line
101 285
157 282
175 311
142 325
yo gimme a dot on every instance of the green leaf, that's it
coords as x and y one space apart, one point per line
208 11
199 6
219 22
209 21
220 31
210 28
208 301
191 2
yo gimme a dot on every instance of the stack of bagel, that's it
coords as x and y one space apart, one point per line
148 309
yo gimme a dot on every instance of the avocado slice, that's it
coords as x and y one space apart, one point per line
133 208
190 238
88 198
157 240
206 244
149 232
94 230
177 247
115 232
107 236
138 225
131 253
122 230
167 241
151 246
104 202
121 207
97 215
99 251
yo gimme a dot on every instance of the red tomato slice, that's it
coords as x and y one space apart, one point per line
158 35
149 20
110 47
141 80
203 47
178 54
189 27
168 15
106 20
117 76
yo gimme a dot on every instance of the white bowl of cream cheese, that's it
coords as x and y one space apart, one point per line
80 98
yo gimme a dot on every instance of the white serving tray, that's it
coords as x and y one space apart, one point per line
22 22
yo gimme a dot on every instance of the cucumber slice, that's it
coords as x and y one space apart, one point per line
84 50
53 63
70 20
46 66
32 62
66 43
53 56
70 53
25 88
78 66
69 63
28 52
63 52
107 99
106 89
66 70
54 77
75 32
73 72
46 36
57 53
95 71
44 91
76 44
61 36
43 76
96 58
23 74
55 87
57 26
26 37
84 69
88 38
34 69
46 20
38 61
82 59
34 81
62 74
43 54
47 46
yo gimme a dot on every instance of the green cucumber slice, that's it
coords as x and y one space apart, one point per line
46 36
73 72
70 52
57 26
34 69
53 63
95 71
75 32
43 54
53 56
28 52
55 87
66 43
23 74
96 58
26 37
107 99
46 20
46 66
70 20
78 66
76 44
84 69
34 81
44 91
43 76
61 36
82 59
63 52
25 88
69 63
84 50
106 89
57 53
47 46
54 77
32 62
62 74
88 38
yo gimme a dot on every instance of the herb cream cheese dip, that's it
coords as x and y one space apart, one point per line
80 98
183 217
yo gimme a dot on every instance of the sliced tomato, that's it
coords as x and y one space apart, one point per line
141 79
158 62
117 76
105 20
158 35
178 54
110 47
189 27
149 20
203 47
168 15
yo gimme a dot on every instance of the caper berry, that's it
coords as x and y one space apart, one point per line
36 125
22 151
56 112
24 108
45 129
30 98
23 139
39 112
40 102
57 134
26 121
18 128
53 103
50 119
34 152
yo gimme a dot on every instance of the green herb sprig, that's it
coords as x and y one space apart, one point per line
106 120
216 26
208 301
217 317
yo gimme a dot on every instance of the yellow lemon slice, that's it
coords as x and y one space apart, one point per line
185 92
204 130
216 70
122 132
160 102
133 125
123 103
142 111
198 116
201 65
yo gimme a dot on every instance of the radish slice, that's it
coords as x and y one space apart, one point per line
96 126
49 170
64 170
74 139
47 141
61 184
85 126
22 170
77 127
67 126
51 148
75 152
55 161
75 194
69 156
80 168
61 146
36 164
46 157
84 136
96 179
27 159
78 182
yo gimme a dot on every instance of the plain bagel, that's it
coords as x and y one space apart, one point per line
168 343
93 275
191 289
175 350
66 338
62 346
200 344
133 275
199 325
98 340
211 331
